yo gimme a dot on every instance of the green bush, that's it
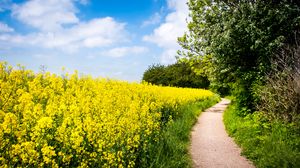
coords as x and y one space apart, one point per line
279 97
178 74
267 144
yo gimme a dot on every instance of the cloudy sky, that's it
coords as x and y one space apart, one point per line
109 38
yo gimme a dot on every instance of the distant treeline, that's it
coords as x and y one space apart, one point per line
179 74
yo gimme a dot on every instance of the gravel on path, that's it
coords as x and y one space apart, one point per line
211 147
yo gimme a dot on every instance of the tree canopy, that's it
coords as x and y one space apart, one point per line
238 38
178 74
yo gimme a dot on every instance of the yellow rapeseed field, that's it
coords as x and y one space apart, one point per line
56 121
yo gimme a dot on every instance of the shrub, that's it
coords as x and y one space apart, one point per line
178 74
280 96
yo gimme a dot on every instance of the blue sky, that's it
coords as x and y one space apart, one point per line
117 39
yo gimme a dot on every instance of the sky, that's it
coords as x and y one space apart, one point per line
116 39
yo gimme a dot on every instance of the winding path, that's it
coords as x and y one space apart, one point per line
211 147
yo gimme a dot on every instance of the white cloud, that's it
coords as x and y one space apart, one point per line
154 19
96 33
168 56
178 5
125 51
57 27
174 26
48 15
4 28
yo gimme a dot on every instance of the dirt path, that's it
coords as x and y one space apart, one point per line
211 146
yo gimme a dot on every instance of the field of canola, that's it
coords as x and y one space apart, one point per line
57 121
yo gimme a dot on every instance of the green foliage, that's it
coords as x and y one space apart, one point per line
279 97
241 37
178 74
267 144
171 151
235 44
155 74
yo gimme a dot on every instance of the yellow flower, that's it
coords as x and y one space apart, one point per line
58 121
10 123
48 152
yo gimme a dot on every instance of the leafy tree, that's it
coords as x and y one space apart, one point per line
178 74
238 37
155 74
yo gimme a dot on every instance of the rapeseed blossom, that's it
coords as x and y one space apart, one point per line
56 121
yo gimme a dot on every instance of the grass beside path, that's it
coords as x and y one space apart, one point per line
172 149
267 144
